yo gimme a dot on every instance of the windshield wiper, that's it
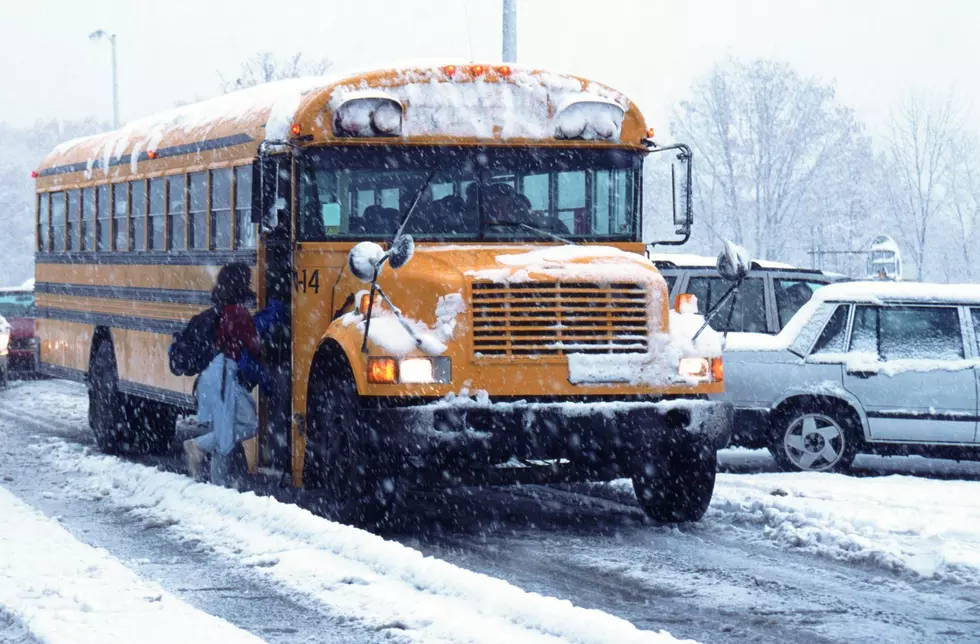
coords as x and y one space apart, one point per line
521 224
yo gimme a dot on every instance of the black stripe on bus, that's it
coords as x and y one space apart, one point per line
64 373
172 151
140 294
958 416
159 394
129 322
149 258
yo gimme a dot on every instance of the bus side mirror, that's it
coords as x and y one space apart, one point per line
734 262
671 185
273 188
401 251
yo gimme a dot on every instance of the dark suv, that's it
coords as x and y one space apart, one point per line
768 298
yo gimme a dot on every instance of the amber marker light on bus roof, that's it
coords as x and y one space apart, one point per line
650 133
152 154
382 371
449 70
504 70
477 70
295 129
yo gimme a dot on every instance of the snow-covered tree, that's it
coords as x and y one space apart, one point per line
21 150
775 155
265 66
919 164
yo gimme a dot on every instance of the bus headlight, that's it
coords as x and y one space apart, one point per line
424 371
409 371
694 368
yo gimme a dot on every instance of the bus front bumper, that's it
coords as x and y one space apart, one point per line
454 437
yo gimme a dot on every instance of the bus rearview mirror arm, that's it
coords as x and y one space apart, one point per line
686 156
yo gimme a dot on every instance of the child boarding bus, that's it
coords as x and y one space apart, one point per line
459 249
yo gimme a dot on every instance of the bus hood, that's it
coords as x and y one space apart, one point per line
510 263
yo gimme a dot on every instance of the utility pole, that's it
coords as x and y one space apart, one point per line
97 35
510 31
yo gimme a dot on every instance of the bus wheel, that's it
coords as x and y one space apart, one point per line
676 486
151 425
338 461
106 413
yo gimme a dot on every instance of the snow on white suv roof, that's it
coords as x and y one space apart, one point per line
883 367
768 298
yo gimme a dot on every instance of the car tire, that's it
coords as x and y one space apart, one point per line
676 486
815 436
106 404
338 460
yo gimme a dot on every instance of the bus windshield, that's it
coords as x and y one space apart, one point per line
497 193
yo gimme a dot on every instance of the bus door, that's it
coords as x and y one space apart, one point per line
276 266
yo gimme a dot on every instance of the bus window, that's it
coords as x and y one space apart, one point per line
88 222
103 220
221 209
58 221
535 188
43 223
137 220
197 211
176 203
571 201
244 228
120 201
72 241
156 212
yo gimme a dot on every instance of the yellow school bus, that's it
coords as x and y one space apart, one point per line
459 250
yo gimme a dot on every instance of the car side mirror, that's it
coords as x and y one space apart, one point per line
401 251
734 262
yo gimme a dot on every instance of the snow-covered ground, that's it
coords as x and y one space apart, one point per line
62 590
379 583
891 554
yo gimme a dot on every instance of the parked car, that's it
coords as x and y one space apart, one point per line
768 298
17 306
876 367
4 340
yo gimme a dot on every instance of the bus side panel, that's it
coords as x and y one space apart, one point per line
65 345
142 359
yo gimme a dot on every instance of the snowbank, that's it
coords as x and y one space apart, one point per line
63 590
917 527
380 583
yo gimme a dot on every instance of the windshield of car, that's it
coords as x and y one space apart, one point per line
474 194
15 304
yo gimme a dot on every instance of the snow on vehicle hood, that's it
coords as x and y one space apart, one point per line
570 262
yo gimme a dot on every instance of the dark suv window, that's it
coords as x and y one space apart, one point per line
908 332
749 314
791 295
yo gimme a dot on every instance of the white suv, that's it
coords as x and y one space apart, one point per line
863 367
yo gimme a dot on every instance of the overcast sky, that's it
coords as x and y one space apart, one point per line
877 51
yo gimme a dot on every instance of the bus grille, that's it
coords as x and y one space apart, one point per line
539 319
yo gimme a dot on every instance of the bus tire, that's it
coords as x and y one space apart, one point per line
676 486
151 425
338 462
106 405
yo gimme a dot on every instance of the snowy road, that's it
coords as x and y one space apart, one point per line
779 558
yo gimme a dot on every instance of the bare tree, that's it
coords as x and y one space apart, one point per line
265 67
769 145
964 194
918 166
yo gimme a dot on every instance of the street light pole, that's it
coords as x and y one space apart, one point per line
510 31
96 35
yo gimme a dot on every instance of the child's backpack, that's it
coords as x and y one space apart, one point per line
193 347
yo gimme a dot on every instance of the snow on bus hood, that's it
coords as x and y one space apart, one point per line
590 263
